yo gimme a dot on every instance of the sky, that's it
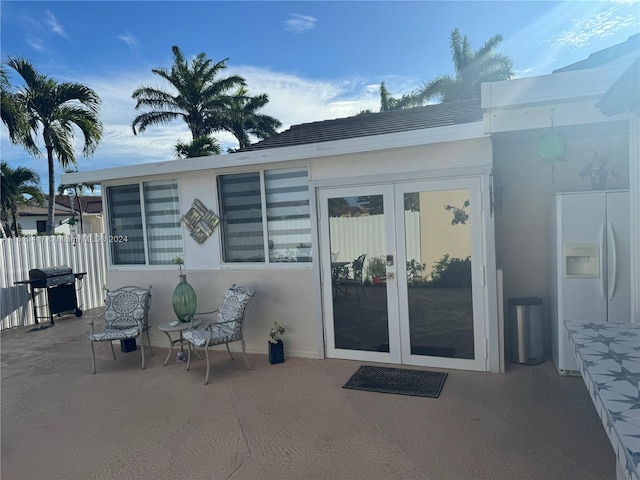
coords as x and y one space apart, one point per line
315 60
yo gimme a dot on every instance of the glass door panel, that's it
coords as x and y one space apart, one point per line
437 233
358 273
402 273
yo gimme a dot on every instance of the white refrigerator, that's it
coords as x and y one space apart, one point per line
591 270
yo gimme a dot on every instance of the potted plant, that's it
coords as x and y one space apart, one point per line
414 271
376 269
597 169
276 347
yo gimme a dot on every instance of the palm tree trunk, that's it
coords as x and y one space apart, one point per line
52 192
14 217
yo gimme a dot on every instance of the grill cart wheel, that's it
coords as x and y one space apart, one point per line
78 312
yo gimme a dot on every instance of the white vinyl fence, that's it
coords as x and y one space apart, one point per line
84 253
353 236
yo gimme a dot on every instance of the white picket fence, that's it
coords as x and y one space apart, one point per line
84 253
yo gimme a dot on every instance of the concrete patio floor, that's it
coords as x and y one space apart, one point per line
286 421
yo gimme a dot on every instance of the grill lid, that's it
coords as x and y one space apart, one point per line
39 273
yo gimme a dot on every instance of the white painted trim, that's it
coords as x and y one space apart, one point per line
391 141
634 198
316 265
555 88
439 173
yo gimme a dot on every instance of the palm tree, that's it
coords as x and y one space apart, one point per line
14 115
53 110
76 190
16 183
472 68
387 102
200 147
200 98
243 119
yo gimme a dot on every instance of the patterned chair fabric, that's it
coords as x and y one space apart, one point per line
228 327
126 316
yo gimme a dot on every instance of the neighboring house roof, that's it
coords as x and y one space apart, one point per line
90 204
602 57
35 211
369 124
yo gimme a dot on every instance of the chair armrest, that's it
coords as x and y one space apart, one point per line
204 324
215 324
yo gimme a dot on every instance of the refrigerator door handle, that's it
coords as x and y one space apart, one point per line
602 263
612 240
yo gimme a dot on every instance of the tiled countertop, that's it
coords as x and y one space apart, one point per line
608 355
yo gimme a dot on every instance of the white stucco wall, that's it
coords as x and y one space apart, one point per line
523 227
282 294
289 293
409 160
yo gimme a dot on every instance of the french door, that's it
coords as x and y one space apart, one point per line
402 273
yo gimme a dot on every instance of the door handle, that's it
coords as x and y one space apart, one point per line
612 239
602 264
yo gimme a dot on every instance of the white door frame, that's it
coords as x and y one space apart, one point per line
397 295
325 264
477 274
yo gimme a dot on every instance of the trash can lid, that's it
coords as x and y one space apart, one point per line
525 301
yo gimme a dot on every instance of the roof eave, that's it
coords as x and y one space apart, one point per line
411 138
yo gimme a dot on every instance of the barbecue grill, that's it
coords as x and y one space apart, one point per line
59 283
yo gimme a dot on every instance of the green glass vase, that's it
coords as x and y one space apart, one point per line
184 300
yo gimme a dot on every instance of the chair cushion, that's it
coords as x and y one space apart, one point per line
126 309
219 334
233 306
114 334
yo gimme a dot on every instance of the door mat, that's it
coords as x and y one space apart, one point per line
400 381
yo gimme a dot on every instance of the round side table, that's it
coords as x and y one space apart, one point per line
167 328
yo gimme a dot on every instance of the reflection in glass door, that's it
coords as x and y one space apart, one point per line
402 273
437 233
358 273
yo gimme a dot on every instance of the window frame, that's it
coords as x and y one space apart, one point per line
267 262
111 266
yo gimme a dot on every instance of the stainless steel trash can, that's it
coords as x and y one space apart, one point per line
525 330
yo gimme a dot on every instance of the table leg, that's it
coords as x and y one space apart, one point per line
170 349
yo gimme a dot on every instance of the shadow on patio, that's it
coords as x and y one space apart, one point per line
286 421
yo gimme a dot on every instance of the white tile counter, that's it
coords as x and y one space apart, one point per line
608 356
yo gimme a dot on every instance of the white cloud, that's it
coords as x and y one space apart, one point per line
297 23
35 43
55 26
129 39
292 100
600 25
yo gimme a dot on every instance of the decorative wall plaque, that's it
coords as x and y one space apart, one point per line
199 221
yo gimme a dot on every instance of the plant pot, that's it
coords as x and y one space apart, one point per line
276 352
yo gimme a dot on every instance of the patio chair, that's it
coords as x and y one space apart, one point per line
357 280
126 316
228 327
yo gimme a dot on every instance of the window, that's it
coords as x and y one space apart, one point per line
154 216
41 226
266 215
